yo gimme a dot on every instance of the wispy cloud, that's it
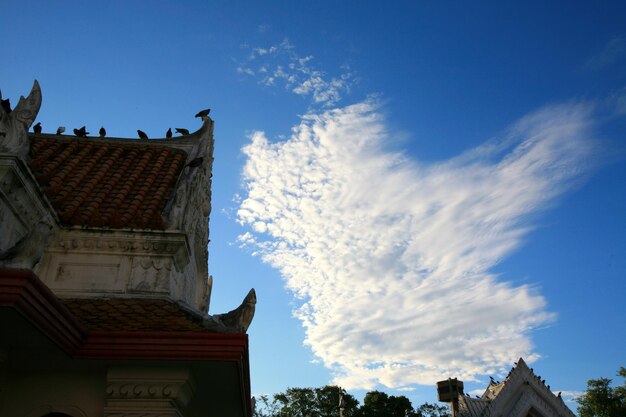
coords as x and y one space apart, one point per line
389 258
280 65
570 397
613 51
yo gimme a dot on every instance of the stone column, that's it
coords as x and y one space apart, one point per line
147 392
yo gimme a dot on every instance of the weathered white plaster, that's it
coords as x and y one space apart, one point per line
92 262
22 207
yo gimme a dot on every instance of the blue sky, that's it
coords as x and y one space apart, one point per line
416 191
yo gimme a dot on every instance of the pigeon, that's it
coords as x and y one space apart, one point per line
142 135
37 128
60 130
203 114
6 106
195 162
168 134
181 131
81 133
102 132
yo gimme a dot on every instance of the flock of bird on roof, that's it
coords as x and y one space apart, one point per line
82 132
542 381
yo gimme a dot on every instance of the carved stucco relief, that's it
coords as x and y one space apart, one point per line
150 274
148 392
26 219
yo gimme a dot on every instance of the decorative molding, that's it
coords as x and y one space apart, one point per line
116 263
155 388
151 391
189 210
150 274
123 242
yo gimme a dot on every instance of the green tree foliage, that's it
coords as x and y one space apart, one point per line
307 402
324 402
600 400
328 401
432 410
264 406
379 404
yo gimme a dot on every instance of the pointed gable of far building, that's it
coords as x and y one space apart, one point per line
520 394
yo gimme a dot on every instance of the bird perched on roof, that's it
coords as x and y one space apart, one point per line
6 105
102 132
181 131
168 134
37 128
203 114
195 162
60 130
81 133
142 135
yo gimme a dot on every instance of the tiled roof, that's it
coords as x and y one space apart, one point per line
473 407
134 314
102 183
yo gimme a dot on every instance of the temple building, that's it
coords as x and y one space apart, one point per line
520 394
104 284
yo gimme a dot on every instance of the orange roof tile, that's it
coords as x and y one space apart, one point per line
101 183
134 315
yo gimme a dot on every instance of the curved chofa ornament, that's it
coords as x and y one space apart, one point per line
14 125
239 319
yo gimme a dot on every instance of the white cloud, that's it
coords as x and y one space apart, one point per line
614 51
390 258
570 396
244 70
281 63
476 392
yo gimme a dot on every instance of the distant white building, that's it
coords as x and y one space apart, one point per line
520 394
